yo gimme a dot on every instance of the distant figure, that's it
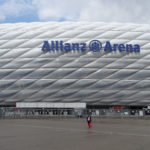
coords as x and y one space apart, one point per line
89 121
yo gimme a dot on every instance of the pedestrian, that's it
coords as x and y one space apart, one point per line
89 121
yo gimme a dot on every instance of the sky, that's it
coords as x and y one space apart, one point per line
133 11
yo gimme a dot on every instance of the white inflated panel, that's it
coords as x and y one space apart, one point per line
27 74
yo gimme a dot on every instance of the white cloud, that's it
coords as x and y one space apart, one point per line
58 9
136 11
116 10
13 8
94 10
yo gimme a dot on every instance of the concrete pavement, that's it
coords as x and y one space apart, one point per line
73 134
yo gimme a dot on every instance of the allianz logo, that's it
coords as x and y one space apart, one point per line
94 45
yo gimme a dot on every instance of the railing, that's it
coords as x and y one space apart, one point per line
10 112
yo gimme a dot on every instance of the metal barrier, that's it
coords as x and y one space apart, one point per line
12 112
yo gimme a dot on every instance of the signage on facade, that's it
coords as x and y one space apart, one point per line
49 105
94 45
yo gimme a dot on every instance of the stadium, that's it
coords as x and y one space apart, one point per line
107 64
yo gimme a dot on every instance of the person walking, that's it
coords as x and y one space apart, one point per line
89 121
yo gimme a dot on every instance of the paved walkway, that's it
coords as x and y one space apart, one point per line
73 134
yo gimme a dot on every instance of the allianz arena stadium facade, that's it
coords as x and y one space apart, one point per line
56 72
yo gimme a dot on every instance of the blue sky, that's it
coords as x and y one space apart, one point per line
17 11
134 11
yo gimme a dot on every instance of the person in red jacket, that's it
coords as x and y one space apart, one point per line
89 121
